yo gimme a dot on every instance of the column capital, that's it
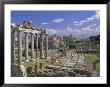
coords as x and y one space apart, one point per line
46 32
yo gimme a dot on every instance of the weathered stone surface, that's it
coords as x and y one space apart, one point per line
46 48
18 71
41 45
12 47
32 46
36 45
30 72
19 47
26 46
94 74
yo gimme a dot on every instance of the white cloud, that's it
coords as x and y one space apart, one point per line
98 27
80 33
88 20
52 31
80 29
83 21
86 32
96 16
69 29
75 22
92 25
59 20
45 23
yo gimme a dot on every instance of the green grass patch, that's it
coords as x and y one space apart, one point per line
91 58
98 66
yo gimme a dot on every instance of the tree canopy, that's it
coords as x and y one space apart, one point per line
72 45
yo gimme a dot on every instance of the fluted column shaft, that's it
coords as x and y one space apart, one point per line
41 45
46 46
32 46
12 48
26 45
19 47
90 45
36 45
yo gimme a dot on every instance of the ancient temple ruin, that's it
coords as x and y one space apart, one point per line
28 29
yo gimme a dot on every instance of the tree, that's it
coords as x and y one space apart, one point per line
72 45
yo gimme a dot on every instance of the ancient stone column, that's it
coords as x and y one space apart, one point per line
36 45
19 47
32 46
12 47
26 45
90 45
41 45
46 46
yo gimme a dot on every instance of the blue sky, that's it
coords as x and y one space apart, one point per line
80 24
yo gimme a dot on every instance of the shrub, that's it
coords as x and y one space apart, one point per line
72 45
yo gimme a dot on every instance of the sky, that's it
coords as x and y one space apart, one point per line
81 24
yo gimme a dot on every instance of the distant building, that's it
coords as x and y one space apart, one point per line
92 42
67 39
55 42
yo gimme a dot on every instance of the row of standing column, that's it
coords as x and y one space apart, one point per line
41 45
26 46
32 45
12 48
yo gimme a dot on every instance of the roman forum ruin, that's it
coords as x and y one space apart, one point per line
58 60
